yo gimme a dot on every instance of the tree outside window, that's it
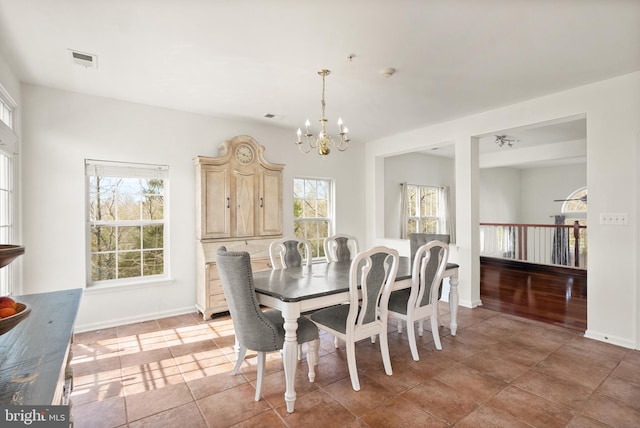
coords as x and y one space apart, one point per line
312 211
126 223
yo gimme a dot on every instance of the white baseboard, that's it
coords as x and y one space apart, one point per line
590 334
81 328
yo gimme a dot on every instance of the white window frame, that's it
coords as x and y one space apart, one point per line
127 170
440 216
8 151
330 211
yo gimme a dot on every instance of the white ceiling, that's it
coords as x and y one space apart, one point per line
246 58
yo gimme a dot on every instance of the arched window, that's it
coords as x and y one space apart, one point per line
575 205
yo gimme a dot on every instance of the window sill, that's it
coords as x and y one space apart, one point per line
126 286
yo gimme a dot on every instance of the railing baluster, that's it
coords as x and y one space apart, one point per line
532 242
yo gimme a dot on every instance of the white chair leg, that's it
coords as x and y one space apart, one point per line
351 363
384 349
399 325
336 341
241 353
373 339
434 329
420 327
412 338
299 352
236 347
312 358
261 363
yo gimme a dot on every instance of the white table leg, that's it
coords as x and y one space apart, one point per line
453 301
290 358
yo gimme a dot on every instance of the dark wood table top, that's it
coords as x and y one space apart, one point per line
33 354
294 284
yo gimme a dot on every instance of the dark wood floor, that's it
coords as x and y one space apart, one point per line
553 295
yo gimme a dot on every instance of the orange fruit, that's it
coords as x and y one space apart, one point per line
7 312
7 302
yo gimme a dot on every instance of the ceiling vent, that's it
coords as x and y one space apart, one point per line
84 59
274 116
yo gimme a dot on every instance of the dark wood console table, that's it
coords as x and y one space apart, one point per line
35 354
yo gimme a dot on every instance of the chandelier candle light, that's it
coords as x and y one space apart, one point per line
324 141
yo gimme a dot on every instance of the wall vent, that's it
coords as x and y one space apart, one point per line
84 59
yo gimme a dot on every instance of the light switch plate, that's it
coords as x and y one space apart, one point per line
618 219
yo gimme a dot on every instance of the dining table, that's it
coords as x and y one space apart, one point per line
296 290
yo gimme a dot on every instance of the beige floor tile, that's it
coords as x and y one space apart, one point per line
444 402
186 416
231 406
316 409
530 408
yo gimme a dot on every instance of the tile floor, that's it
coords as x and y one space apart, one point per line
498 371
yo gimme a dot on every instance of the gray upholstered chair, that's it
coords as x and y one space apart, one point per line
290 252
430 262
340 248
261 331
417 240
375 272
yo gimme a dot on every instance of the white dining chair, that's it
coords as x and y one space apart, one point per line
290 252
420 302
372 274
340 247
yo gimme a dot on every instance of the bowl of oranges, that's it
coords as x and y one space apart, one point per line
11 313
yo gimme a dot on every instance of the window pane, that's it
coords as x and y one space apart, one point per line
297 207
429 225
103 266
310 189
103 238
129 264
309 208
323 208
153 201
153 262
152 207
322 189
129 196
298 188
5 207
128 238
412 201
153 236
102 197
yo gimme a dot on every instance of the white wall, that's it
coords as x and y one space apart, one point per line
62 128
500 195
612 109
540 186
414 168
511 195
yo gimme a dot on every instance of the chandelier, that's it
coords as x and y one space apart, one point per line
324 141
501 140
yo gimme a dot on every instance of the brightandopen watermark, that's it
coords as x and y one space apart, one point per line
34 416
